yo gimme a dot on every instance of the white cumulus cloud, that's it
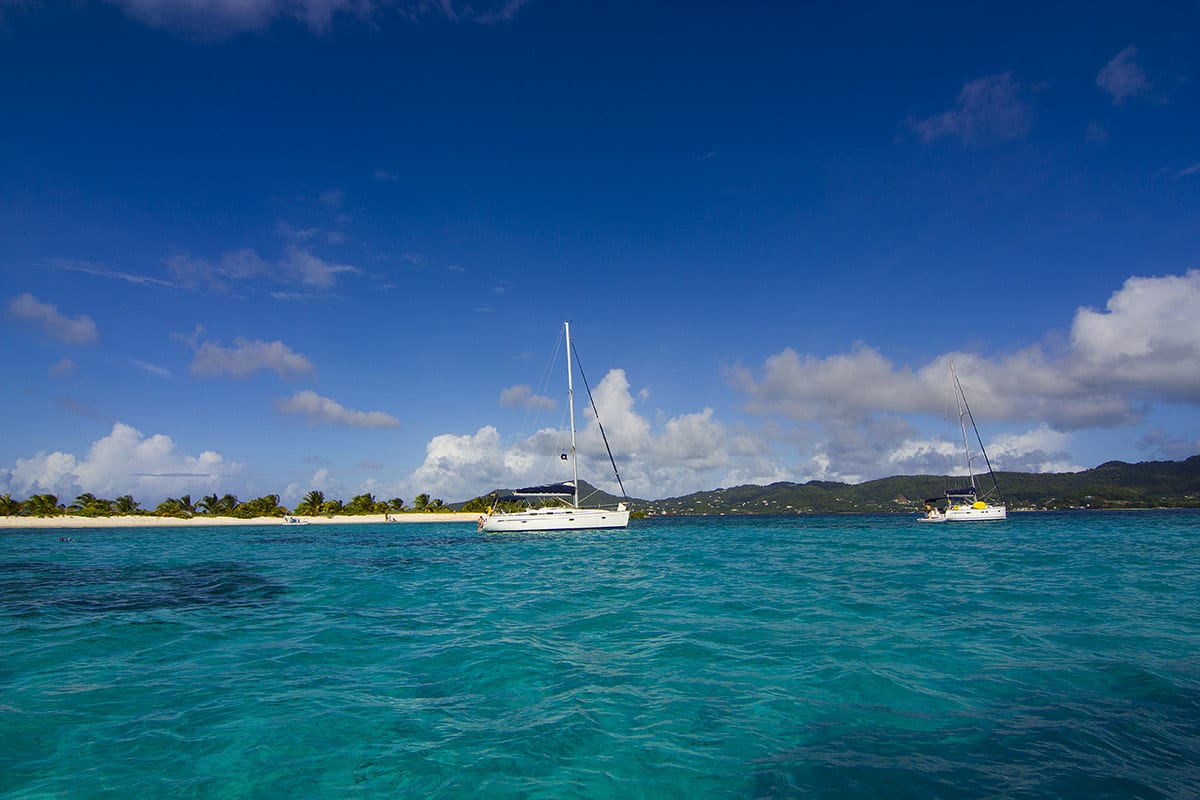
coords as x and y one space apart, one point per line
684 454
467 465
123 462
850 409
1147 339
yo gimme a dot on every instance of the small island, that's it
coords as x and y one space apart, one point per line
1114 485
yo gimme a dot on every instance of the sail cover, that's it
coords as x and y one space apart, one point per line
566 489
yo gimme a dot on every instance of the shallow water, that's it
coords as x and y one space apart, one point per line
1052 655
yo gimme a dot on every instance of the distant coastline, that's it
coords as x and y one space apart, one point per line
147 521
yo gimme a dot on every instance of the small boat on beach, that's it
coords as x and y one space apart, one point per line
964 503
294 521
557 505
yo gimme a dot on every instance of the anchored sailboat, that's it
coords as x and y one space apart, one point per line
965 504
563 512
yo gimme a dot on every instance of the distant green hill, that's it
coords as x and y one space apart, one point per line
1113 485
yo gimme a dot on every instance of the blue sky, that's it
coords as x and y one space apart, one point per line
267 246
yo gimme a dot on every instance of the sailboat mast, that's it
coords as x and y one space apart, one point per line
962 422
571 410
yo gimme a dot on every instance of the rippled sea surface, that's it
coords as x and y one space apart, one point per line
1054 655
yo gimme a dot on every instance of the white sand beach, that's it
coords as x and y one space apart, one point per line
137 521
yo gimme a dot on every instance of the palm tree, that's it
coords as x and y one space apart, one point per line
88 505
82 501
395 504
312 502
361 504
208 504
227 504
99 508
9 507
173 507
125 504
265 506
43 505
421 502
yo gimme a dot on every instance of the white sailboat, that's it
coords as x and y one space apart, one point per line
565 514
964 504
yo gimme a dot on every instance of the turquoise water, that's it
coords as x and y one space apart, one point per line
1054 655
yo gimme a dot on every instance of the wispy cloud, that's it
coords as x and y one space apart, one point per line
1122 78
61 368
988 109
332 198
293 234
313 270
89 268
220 19
522 396
489 12
215 19
1169 445
299 263
79 330
1192 170
247 357
326 411
199 273
83 410
152 369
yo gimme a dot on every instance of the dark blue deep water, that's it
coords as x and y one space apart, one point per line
1049 656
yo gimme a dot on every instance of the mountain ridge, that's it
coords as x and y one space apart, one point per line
1113 484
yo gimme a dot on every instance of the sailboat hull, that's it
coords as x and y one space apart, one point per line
554 519
966 514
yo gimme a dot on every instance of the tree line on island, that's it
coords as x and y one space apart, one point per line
314 504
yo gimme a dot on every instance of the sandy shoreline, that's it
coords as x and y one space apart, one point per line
199 522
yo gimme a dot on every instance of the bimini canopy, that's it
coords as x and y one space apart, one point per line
566 489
